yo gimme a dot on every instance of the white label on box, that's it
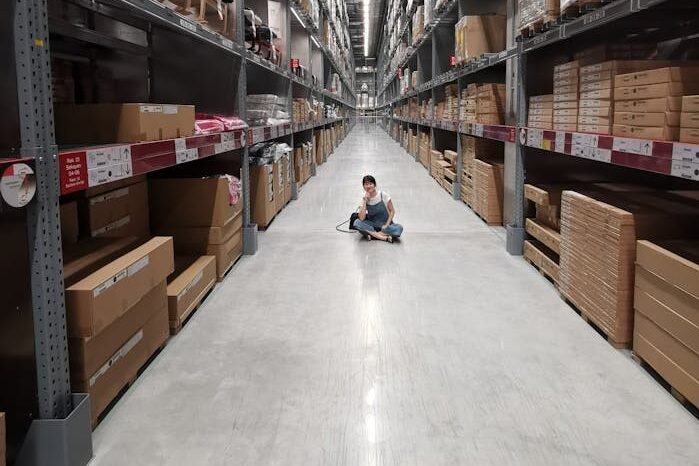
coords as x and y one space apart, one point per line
535 138
590 140
116 194
686 170
581 151
120 353
187 25
112 226
602 155
151 109
560 144
477 129
107 174
685 152
633 146
104 286
227 43
170 109
138 265
107 156
186 155
197 278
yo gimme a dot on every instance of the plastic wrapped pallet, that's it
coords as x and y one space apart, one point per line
534 11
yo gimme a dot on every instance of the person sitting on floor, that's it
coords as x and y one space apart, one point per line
376 214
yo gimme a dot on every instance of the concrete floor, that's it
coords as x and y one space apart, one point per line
324 349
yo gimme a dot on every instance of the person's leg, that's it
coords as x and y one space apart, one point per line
367 229
394 230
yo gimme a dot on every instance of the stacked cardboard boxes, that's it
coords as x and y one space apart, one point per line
543 246
119 212
117 319
689 122
565 96
490 104
199 215
533 13
488 190
478 35
425 146
666 321
475 148
598 248
540 114
469 104
451 102
436 168
661 118
418 23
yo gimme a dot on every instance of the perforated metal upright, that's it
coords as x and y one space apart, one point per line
61 435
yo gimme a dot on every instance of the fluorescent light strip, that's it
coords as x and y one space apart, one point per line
366 28
316 42
298 17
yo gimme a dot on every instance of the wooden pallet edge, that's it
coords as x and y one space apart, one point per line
592 323
177 325
676 394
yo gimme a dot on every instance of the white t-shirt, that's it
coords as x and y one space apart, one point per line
380 196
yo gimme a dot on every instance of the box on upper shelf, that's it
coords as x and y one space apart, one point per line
121 123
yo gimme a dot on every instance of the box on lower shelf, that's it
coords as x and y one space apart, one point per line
488 190
666 302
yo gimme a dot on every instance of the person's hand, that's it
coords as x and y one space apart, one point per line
366 198
383 228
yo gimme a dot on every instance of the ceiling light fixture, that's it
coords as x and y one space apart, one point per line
316 42
366 28
298 17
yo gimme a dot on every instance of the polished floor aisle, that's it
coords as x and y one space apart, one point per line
324 349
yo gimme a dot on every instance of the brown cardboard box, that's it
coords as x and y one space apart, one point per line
592 77
226 253
126 363
89 354
596 86
597 129
647 119
599 94
536 99
598 112
279 184
689 135
571 96
622 66
123 123
194 240
286 168
689 120
659 133
651 91
565 119
96 301
561 89
567 81
566 105
669 266
193 278
70 228
565 127
690 103
686 74
565 112
662 104
191 202
588 120
676 363
90 254
118 213
262 202
114 185
676 311
595 103
540 118
571 65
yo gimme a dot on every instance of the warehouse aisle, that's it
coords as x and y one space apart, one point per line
324 349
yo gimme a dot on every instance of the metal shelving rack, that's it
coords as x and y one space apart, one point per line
520 67
55 426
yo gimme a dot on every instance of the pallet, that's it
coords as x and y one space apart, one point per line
486 221
177 325
666 385
543 272
127 386
544 24
228 270
615 344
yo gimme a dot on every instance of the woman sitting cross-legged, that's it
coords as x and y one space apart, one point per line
376 214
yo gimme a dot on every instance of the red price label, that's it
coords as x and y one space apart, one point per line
452 60
294 63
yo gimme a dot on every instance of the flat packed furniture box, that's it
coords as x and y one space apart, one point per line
122 123
192 279
96 301
666 302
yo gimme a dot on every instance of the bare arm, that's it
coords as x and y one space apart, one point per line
391 213
362 210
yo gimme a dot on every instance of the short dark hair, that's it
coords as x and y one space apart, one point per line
369 179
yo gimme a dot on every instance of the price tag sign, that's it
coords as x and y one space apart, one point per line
18 185
633 146
560 143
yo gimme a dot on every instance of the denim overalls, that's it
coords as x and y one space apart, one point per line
376 217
